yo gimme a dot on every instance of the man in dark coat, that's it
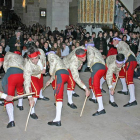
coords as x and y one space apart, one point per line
101 44
16 42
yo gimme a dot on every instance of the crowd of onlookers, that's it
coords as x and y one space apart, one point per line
13 37
123 20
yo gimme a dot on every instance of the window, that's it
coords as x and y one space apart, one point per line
43 13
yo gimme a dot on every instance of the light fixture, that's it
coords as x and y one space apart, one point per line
0 13
23 3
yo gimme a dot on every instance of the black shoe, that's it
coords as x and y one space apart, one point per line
55 123
93 100
11 124
113 104
20 107
103 91
99 112
54 104
2 104
34 116
44 98
75 95
72 105
130 104
123 92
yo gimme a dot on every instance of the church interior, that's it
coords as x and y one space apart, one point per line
61 27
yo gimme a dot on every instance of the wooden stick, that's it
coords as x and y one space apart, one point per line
83 107
28 118
44 88
19 96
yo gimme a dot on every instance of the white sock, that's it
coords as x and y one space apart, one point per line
111 97
20 101
73 92
69 93
10 111
58 111
123 81
93 95
100 103
33 108
131 88
40 95
102 80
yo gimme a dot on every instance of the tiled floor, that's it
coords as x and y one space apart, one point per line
117 124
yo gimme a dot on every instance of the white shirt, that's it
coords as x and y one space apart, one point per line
65 52
128 37
40 64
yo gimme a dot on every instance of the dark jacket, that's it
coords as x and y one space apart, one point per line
12 43
45 51
101 42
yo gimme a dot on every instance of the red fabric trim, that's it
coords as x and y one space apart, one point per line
35 54
82 55
17 52
1 59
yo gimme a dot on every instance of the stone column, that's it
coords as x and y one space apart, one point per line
57 14
0 20
13 2
31 13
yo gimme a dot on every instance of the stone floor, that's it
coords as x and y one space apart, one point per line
117 124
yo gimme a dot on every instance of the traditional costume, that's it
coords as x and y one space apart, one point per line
33 79
59 76
72 63
112 70
42 64
13 79
97 65
129 68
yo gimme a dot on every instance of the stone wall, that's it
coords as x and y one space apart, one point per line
73 12
18 8
57 14
73 15
31 15
129 5
136 4
43 5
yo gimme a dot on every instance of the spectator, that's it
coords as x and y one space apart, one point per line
105 35
130 26
64 50
93 37
46 47
55 32
101 45
16 42
125 39
120 17
37 44
87 36
72 48
126 21
134 44
56 49
73 33
78 35
117 6
126 33
41 43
